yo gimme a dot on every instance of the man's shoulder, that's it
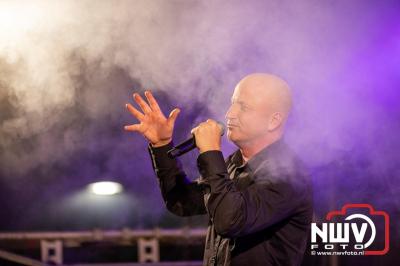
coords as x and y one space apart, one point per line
283 166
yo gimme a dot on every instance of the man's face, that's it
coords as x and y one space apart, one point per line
247 117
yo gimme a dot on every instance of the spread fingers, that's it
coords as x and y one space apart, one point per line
145 107
135 112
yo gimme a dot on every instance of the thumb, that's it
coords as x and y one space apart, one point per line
173 115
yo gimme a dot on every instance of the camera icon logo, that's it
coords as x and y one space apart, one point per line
342 232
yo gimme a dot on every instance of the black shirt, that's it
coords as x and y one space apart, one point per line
259 211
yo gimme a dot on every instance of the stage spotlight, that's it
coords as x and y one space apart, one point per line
105 188
19 18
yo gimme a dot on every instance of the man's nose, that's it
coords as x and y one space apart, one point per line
230 113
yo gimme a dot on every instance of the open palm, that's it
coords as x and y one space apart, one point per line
154 126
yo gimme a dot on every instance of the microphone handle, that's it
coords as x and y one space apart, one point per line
188 145
182 148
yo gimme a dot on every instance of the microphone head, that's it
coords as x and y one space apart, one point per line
222 127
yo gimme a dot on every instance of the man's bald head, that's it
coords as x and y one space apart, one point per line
267 90
261 104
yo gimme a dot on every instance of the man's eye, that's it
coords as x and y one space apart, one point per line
244 108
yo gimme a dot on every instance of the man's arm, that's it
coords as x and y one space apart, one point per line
237 213
181 196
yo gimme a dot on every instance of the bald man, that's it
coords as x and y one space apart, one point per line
258 199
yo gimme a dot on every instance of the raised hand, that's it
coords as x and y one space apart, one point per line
154 126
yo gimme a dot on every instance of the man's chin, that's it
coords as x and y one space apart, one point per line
232 137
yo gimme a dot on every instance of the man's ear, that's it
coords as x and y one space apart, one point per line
275 121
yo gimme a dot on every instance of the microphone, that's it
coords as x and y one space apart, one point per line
188 144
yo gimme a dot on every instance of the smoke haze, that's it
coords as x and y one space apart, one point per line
67 68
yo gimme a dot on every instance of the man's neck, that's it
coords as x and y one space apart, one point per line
250 149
